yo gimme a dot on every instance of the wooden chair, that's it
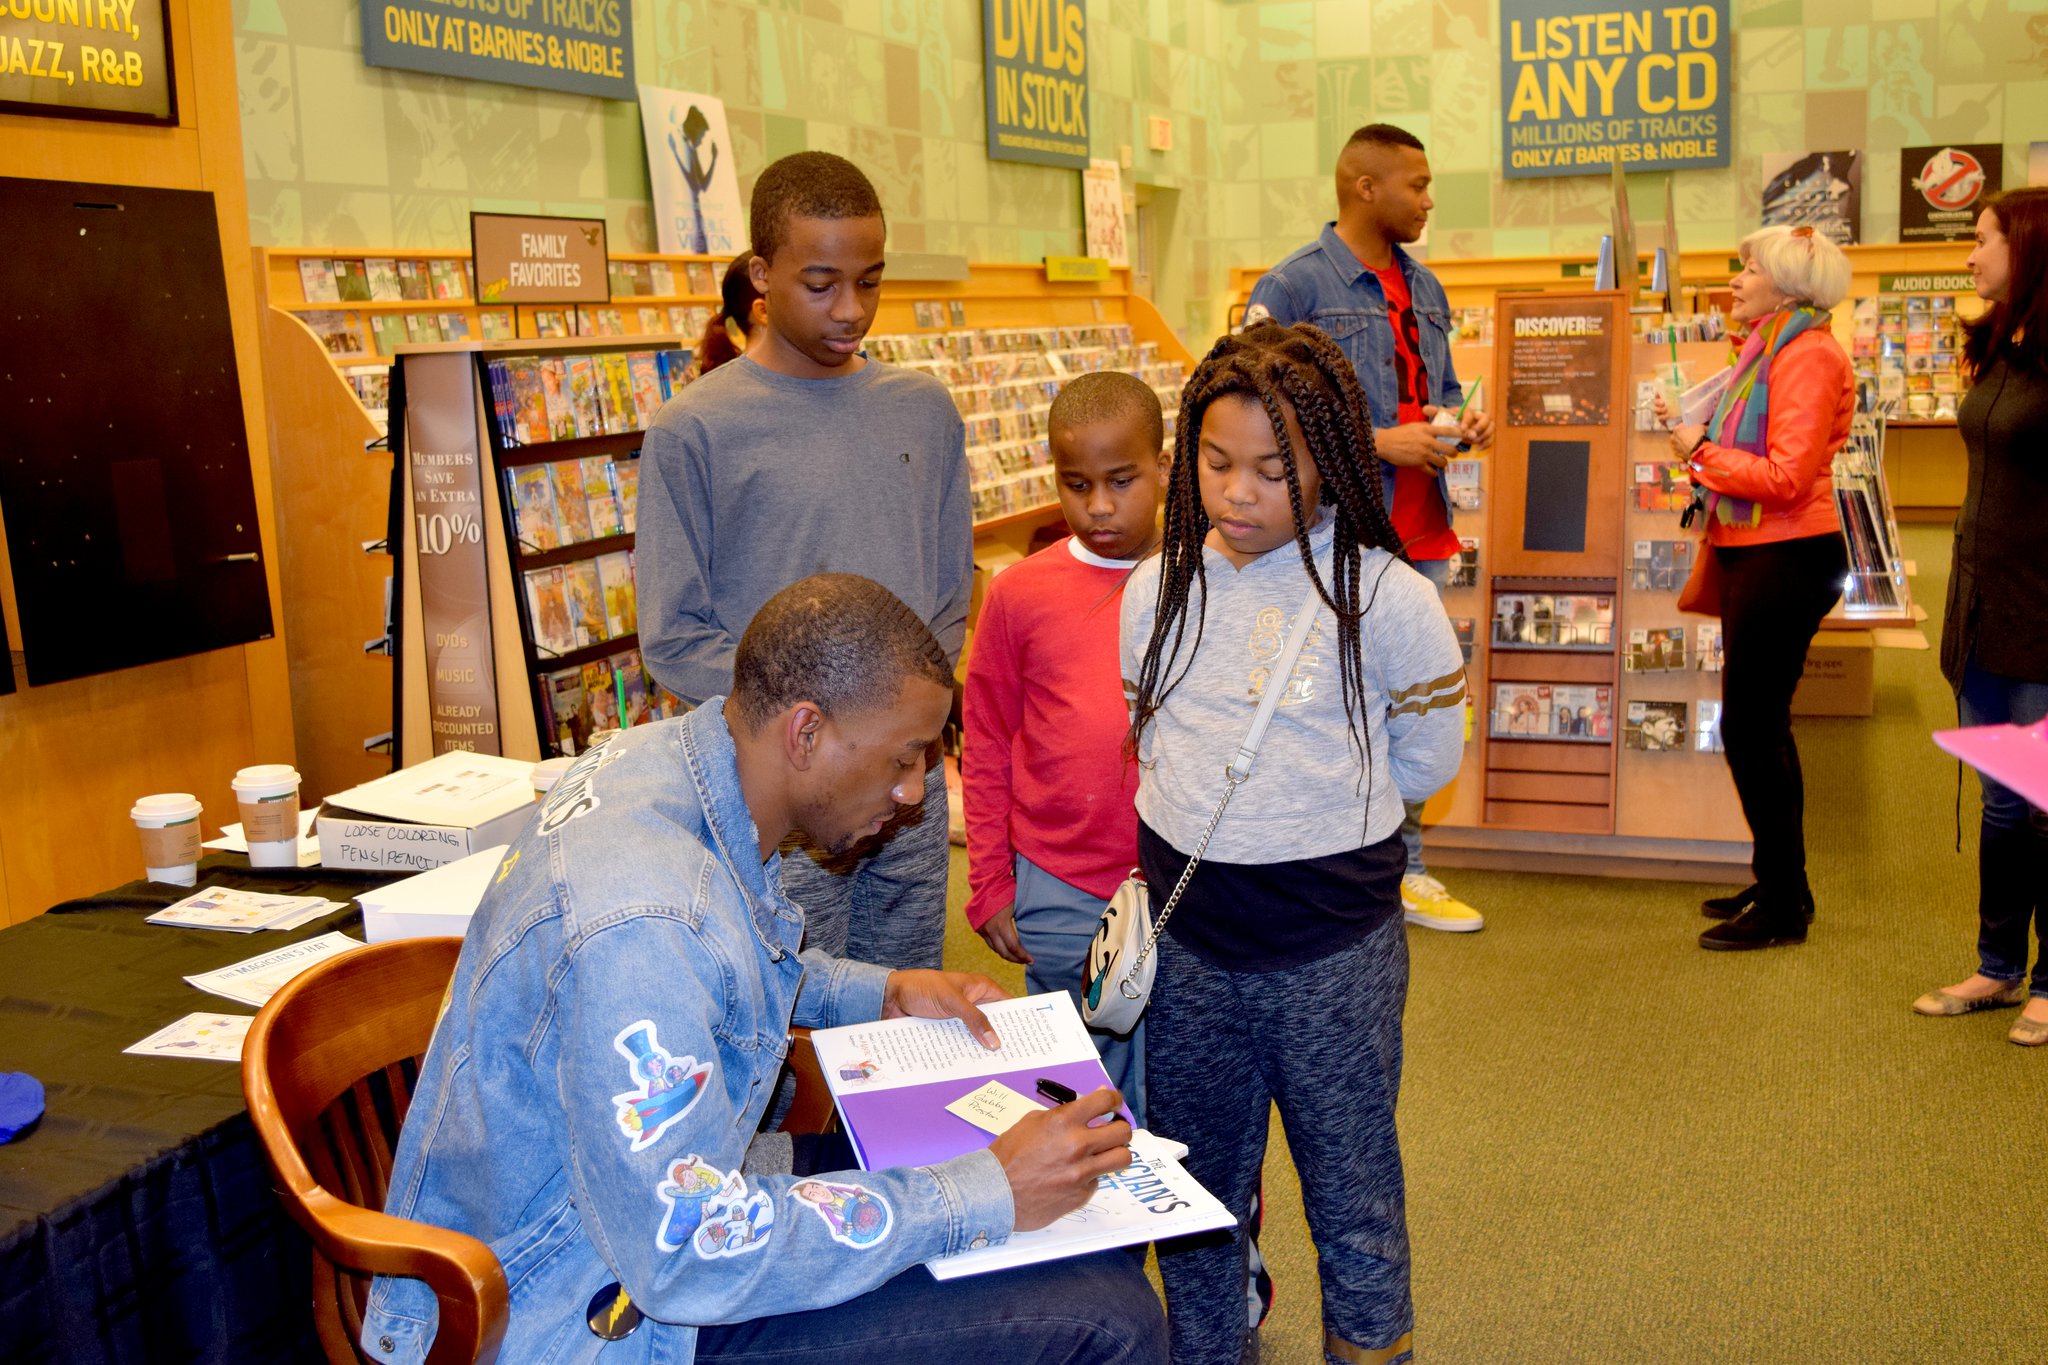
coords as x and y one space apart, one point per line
328 1072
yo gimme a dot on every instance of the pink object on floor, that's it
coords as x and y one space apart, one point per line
2015 755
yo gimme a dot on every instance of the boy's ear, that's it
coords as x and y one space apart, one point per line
757 271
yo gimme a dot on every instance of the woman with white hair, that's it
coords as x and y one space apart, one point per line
1775 562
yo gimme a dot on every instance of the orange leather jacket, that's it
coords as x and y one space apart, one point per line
1813 394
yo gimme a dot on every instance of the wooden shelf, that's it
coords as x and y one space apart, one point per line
569 554
1017 518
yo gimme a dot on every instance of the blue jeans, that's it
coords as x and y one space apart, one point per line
883 901
2012 842
1096 1309
1056 922
1438 572
1323 1041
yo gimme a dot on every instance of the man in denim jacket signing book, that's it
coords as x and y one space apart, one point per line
621 1008
1391 318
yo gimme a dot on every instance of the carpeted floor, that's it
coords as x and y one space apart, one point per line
1622 1148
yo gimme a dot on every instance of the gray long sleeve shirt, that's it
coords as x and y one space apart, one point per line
751 480
1307 796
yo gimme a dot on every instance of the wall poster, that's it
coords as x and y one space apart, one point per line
1102 209
1820 190
106 60
1941 189
1035 58
585 48
1586 82
690 163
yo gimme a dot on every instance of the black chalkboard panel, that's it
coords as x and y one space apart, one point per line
124 464
1554 506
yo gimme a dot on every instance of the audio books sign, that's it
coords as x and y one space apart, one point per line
582 46
1583 83
1036 72
1942 189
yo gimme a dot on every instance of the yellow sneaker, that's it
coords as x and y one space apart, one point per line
1425 902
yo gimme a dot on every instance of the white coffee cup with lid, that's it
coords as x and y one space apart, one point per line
268 794
168 825
546 773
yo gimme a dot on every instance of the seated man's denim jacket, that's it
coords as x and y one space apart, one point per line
617 1020
1325 284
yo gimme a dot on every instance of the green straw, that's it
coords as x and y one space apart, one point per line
1468 398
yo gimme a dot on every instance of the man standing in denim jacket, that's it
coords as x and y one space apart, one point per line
621 1008
1392 318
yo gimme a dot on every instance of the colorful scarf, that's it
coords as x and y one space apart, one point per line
1742 418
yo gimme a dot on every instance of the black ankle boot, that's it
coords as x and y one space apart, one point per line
1728 907
1762 925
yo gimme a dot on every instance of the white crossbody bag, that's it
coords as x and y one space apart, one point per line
1121 963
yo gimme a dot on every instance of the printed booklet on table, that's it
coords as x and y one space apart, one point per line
904 1088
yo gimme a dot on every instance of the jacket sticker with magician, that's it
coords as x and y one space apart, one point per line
712 1210
668 1085
856 1215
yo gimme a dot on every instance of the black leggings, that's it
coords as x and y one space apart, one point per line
1773 597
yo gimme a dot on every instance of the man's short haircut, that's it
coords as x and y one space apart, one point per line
838 640
807 185
1109 396
1383 135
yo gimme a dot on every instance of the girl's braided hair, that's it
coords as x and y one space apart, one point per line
1279 368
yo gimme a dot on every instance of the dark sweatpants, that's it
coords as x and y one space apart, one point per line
1323 1041
1773 597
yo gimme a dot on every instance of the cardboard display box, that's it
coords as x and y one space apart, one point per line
1840 677
432 813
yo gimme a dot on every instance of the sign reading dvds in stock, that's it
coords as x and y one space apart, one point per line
107 59
1036 73
524 258
582 46
1586 82
1942 189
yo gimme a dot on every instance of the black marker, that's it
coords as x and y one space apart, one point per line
1054 1091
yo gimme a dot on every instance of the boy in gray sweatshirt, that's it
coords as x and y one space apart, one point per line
803 457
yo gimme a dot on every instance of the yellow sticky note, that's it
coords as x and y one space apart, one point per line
995 1108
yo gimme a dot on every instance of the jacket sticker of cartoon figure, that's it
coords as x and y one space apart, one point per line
856 1215
668 1086
711 1210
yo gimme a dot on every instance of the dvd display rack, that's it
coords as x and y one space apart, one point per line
1003 381
1908 347
1877 585
565 443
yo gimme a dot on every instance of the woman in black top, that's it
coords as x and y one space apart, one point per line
1994 639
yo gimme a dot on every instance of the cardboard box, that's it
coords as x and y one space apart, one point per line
433 903
1840 677
429 814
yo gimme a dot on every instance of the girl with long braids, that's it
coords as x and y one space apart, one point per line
1283 969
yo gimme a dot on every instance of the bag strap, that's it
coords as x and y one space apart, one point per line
1239 769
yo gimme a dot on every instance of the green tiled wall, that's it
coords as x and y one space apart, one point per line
1261 92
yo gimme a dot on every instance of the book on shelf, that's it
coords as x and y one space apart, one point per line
700 277
382 272
915 1092
316 281
341 333
661 279
547 608
578 703
1465 568
1660 565
615 579
626 484
351 281
572 504
413 283
390 331
1659 650
602 499
1462 479
588 421
537 523
587 622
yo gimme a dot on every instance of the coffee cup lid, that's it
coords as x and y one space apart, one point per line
267 775
549 771
166 807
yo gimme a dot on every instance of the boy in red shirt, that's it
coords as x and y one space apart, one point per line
1052 825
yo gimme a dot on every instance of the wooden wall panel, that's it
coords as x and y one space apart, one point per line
79 753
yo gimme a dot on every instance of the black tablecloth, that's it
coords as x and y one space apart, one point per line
137 1220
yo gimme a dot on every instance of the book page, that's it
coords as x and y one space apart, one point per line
1036 1030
